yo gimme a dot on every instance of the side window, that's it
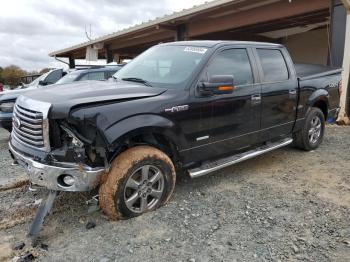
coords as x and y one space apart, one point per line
53 77
232 62
273 65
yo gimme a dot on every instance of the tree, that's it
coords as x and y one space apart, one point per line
12 75
1 78
44 70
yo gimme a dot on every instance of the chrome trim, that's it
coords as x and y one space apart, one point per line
225 162
26 141
202 138
28 124
24 109
86 177
23 117
33 137
35 132
22 113
256 97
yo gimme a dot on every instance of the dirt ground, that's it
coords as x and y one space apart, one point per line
287 205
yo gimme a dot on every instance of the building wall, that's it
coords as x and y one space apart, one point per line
310 47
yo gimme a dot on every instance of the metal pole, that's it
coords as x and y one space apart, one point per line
343 118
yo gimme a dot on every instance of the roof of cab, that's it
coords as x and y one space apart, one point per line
99 69
212 43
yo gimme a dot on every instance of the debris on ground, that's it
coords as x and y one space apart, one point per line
18 246
90 225
287 205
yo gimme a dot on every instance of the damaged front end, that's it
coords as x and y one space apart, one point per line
52 152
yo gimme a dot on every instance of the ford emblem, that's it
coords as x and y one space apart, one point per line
17 122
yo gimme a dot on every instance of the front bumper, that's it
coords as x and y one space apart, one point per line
50 176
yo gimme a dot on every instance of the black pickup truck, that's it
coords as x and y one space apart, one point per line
193 106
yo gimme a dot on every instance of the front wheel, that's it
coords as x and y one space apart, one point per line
311 135
141 179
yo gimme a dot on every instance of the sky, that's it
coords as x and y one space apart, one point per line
31 29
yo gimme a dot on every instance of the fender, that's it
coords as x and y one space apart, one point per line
144 123
318 95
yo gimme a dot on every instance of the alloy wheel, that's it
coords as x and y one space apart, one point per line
315 130
144 189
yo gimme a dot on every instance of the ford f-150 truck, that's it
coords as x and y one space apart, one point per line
194 106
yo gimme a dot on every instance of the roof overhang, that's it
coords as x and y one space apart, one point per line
200 21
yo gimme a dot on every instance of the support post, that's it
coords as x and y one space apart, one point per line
71 62
180 33
109 55
343 117
117 58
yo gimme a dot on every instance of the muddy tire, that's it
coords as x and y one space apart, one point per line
311 135
140 180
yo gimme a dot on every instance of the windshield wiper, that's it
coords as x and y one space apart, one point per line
137 80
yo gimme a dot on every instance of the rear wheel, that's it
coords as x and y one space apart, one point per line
311 136
141 179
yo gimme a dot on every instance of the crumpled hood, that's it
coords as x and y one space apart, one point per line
64 97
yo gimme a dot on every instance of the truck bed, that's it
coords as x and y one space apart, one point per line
308 71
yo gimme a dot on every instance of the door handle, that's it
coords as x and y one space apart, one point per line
293 92
256 97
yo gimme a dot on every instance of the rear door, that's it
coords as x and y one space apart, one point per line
279 92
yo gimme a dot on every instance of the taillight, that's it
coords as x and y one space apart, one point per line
340 87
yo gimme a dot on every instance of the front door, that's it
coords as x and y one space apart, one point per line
228 123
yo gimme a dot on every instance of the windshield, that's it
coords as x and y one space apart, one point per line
37 80
163 66
69 78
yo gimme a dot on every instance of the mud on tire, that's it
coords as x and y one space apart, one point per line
139 175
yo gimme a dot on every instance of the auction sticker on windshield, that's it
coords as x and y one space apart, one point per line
199 50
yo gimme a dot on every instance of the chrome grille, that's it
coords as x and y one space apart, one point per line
28 126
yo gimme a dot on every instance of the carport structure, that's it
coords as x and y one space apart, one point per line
313 31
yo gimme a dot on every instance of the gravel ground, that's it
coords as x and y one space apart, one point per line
287 205
8 174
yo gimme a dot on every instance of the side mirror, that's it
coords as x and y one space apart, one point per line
217 85
42 83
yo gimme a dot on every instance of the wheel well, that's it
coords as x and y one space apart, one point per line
156 140
322 105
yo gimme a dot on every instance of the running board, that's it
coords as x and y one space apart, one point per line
228 161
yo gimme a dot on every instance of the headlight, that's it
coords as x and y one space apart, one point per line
75 140
7 107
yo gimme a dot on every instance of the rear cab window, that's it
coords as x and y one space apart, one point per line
93 76
273 65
